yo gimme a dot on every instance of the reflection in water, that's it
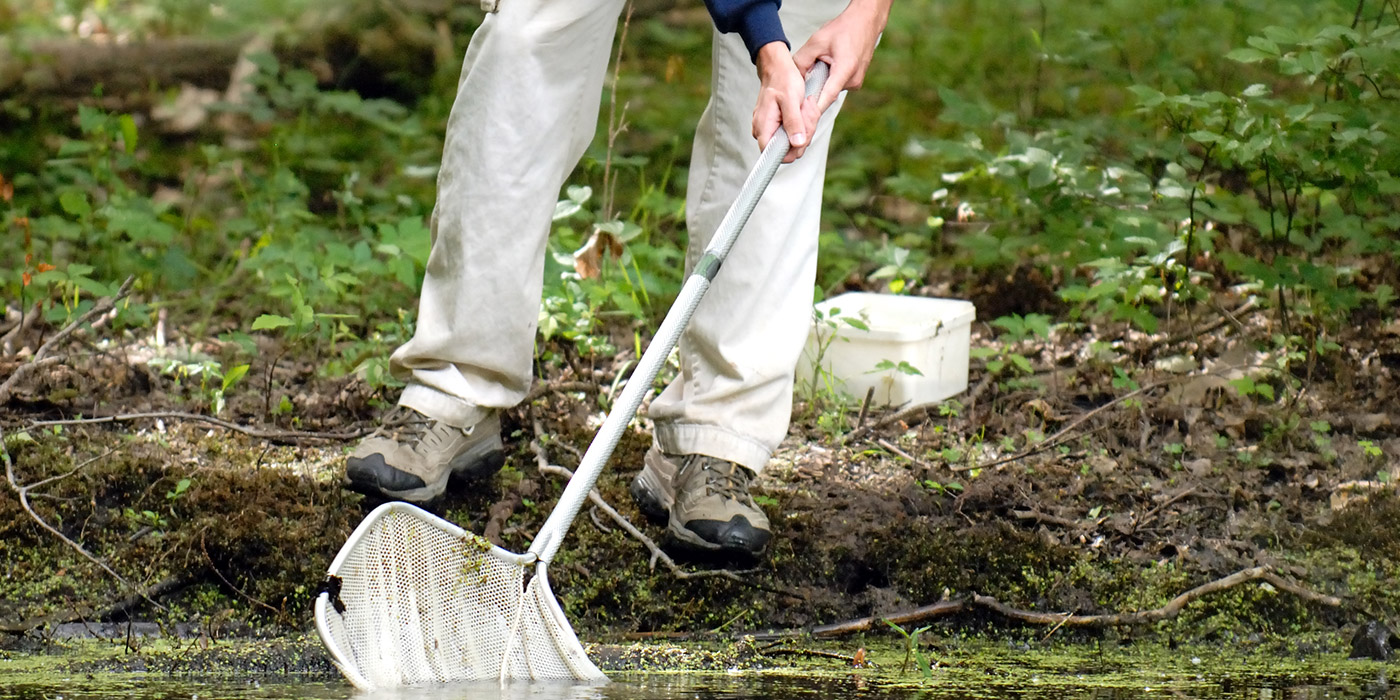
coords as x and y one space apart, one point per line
537 690
697 686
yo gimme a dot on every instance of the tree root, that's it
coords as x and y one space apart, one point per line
43 359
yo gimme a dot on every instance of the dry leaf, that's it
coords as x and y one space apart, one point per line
588 260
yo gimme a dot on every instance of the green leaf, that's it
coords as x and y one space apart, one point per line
267 322
1147 97
1246 55
128 126
1041 175
233 375
75 203
579 193
1265 45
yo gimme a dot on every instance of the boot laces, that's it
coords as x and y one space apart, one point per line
723 478
403 425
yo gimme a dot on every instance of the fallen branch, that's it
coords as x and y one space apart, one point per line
945 608
542 462
903 619
86 612
228 425
1166 612
42 358
23 492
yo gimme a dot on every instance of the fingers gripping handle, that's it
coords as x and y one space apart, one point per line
551 535
816 80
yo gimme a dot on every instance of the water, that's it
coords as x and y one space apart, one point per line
745 686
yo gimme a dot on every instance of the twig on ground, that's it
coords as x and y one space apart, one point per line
657 554
865 408
597 522
23 492
894 449
232 587
1048 518
228 425
42 358
901 416
500 511
1152 514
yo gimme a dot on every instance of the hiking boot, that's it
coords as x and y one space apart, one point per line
411 456
705 501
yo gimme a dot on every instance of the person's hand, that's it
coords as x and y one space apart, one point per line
847 44
780 101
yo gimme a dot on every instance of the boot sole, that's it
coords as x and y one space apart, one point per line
684 538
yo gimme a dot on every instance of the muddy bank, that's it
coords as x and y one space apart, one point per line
1069 490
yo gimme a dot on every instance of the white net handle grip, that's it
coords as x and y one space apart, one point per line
625 408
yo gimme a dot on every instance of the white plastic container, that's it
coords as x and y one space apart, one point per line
887 337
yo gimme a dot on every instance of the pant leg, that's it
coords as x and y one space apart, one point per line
526 108
733 397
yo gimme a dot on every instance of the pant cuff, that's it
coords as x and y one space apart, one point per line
442 407
692 438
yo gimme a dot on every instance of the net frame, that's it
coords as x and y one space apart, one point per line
417 600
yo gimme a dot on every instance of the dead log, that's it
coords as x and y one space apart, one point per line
77 68
381 48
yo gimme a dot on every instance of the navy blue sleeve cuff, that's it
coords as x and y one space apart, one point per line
761 27
756 21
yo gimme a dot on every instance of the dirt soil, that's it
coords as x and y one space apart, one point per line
1076 488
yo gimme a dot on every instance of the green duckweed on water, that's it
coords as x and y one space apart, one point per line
290 668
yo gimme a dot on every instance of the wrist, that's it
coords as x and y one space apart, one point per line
772 57
878 10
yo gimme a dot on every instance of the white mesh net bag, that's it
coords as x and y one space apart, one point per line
414 599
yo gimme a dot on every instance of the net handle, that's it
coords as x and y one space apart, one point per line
551 535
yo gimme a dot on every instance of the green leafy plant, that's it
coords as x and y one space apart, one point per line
912 649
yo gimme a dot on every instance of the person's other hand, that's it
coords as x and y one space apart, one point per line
847 44
780 101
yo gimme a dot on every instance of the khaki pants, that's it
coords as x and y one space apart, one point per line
526 108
